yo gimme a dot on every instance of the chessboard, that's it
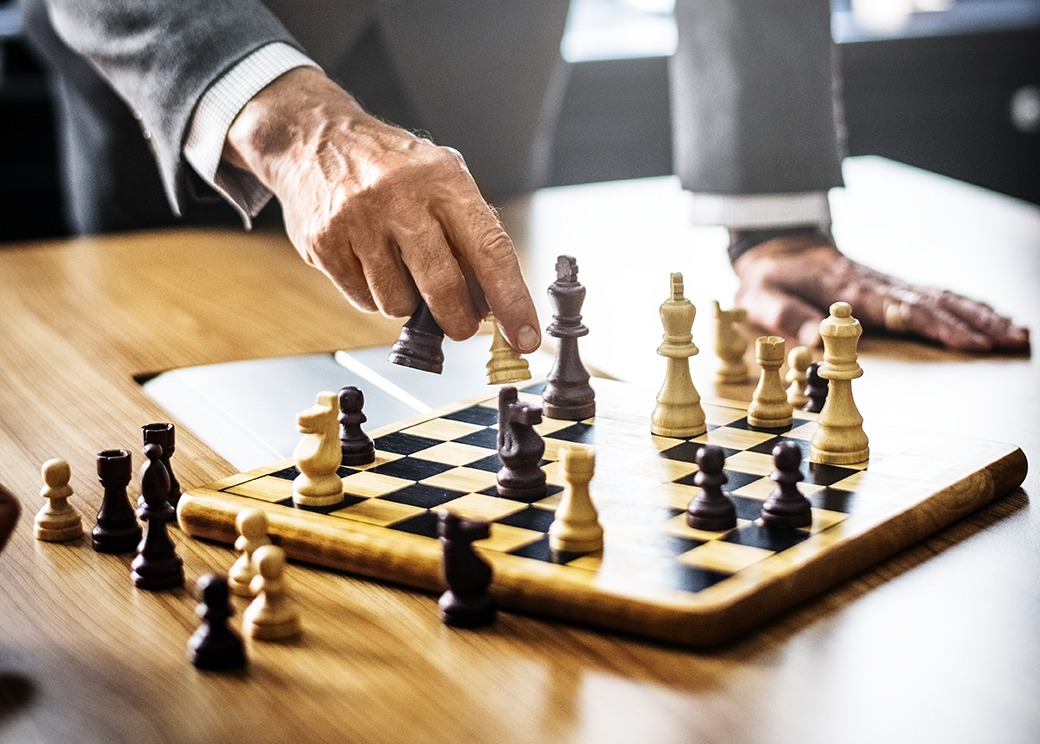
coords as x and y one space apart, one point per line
655 576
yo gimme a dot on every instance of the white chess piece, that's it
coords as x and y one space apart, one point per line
252 534
318 455
839 437
678 412
576 528
58 520
272 615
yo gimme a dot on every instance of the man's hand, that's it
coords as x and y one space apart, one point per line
788 283
381 211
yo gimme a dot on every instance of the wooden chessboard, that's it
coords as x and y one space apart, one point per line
655 577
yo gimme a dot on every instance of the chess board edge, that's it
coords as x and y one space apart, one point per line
712 616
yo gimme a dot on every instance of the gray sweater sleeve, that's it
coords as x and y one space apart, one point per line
161 56
754 106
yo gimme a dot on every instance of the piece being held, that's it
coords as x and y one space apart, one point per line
419 345
506 365
318 454
568 394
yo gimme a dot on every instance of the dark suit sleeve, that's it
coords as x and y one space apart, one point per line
753 97
161 56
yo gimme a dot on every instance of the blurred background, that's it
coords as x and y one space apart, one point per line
952 86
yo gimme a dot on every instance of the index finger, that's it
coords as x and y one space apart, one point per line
483 244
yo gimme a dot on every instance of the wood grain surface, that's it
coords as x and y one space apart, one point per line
939 643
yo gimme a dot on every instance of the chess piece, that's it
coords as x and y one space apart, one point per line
786 506
711 509
506 365
156 565
356 446
467 603
576 527
815 389
520 448
215 645
769 408
252 534
419 345
730 346
165 436
798 362
839 437
117 529
272 615
678 412
58 520
10 510
567 394
318 454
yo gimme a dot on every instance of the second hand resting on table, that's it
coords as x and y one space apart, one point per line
389 216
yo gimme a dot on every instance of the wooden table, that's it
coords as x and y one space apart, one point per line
940 643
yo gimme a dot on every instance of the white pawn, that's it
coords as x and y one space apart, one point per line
798 362
58 520
678 412
319 454
272 615
252 534
769 408
576 528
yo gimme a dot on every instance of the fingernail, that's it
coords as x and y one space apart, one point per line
528 339
809 334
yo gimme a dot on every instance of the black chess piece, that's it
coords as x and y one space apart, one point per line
117 529
215 645
711 509
156 565
419 345
467 603
520 448
567 394
165 435
356 446
816 388
786 506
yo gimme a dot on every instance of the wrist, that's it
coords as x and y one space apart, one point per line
742 241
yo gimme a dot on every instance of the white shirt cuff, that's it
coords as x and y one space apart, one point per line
214 113
762 211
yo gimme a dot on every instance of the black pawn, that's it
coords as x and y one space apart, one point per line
214 645
786 506
711 509
165 436
117 529
467 603
815 388
520 448
355 445
567 394
156 565
419 345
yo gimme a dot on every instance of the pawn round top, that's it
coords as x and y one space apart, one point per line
711 458
251 524
56 473
153 451
800 357
351 398
787 457
841 310
269 561
213 590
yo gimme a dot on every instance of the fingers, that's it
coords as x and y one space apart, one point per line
1002 333
782 314
484 246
